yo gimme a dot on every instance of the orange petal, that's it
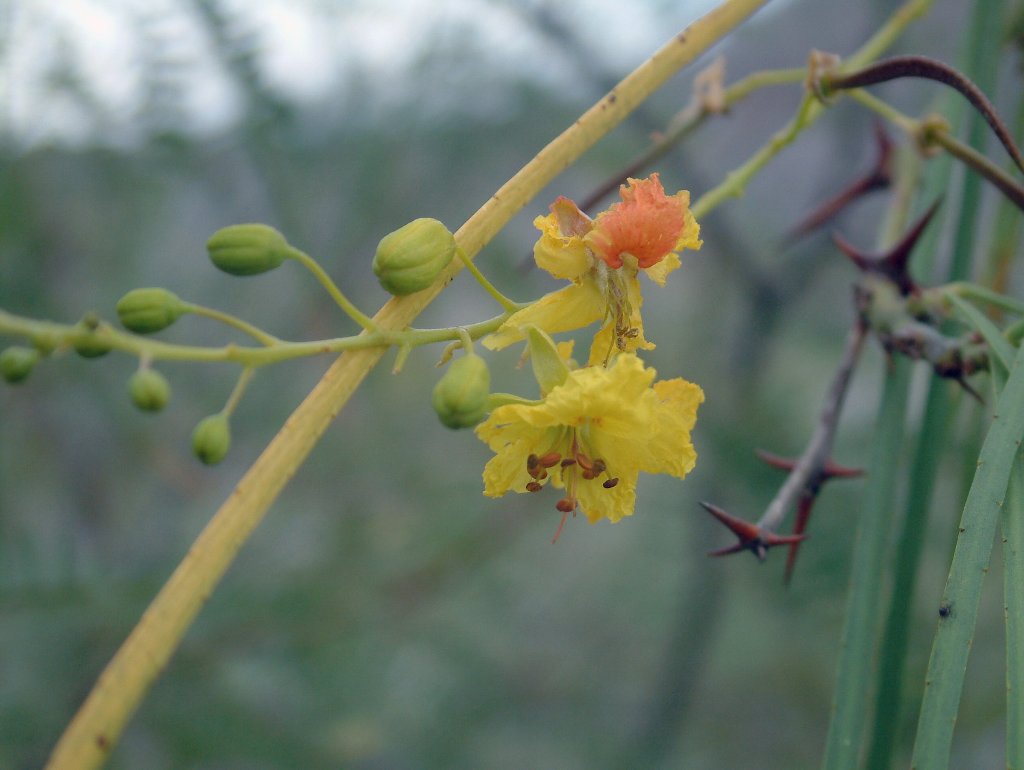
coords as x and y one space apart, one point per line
647 224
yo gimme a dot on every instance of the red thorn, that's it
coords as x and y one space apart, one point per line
751 537
833 471
893 263
803 515
775 461
882 171
830 471
877 177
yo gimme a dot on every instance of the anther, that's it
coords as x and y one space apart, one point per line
585 462
549 460
610 483
566 505
533 486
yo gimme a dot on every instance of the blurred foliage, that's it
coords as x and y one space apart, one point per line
387 615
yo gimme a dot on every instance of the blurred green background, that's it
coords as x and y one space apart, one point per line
386 614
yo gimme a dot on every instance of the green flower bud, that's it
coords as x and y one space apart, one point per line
145 311
212 438
460 396
17 362
247 249
149 390
91 347
410 259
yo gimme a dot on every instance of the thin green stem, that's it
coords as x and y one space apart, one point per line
56 335
743 87
226 318
994 173
1014 332
467 341
689 119
809 111
883 109
325 280
981 294
887 34
736 181
238 391
500 298
930 132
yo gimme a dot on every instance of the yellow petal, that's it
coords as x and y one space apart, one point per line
690 237
671 449
575 306
506 471
564 256
612 504
659 272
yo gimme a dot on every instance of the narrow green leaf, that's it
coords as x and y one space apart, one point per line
889 698
959 608
1013 609
850 706
1001 348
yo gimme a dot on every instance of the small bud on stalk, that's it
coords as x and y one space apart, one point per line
149 390
460 396
17 362
212 438
91 347
248 249
145 311
412 257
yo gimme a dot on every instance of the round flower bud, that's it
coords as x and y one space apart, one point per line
460 396
17 362
410 259
91 346
247 249
149 390
145 311
212 438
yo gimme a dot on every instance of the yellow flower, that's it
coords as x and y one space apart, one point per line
602 258
592 436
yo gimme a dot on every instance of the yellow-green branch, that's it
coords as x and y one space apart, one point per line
93 732
54 335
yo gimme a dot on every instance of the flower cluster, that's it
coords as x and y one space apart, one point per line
602 259
597 427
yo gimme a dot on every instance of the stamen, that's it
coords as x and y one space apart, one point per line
566 505
610 483
533 486
567 462
559 530
532 462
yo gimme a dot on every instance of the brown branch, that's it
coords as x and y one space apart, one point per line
929 69
813 467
